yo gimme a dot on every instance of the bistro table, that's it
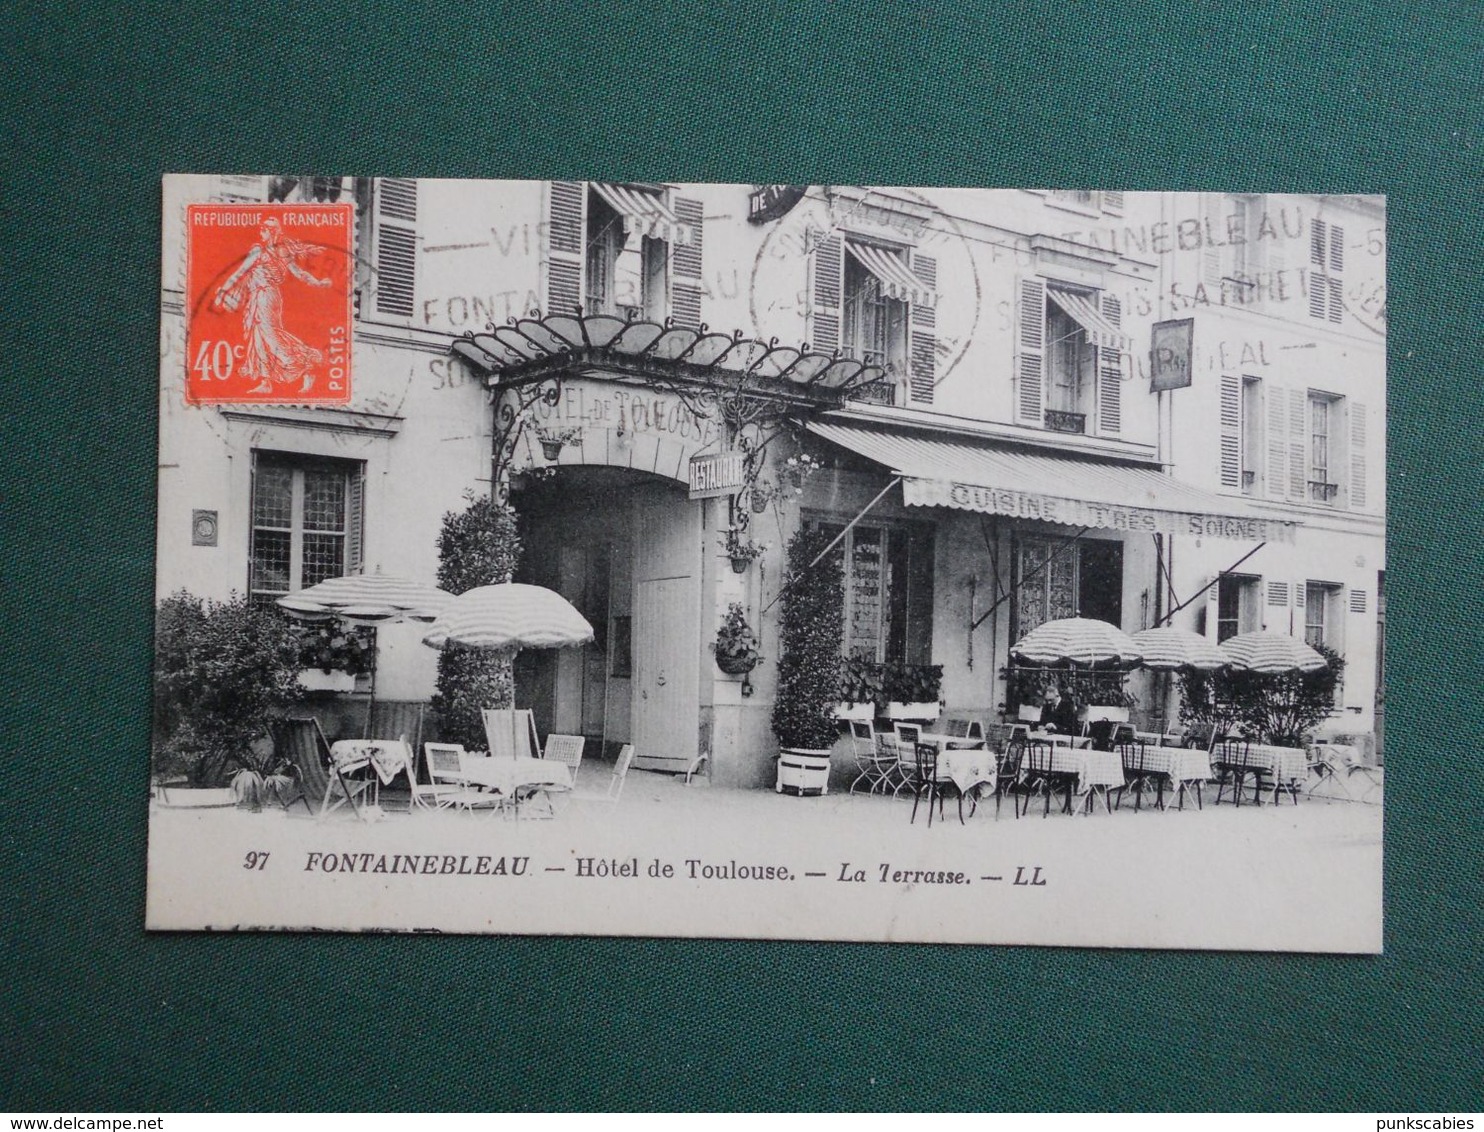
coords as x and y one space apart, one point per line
513 777
1183 766
1285 765
386 757
1096 772
907 757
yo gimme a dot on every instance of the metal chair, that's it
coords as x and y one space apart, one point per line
926 782
615 783
869 757
906 768
565 749
445 767
1041 776
1138 774
1231 766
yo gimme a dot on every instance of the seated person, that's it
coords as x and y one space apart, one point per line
1058 712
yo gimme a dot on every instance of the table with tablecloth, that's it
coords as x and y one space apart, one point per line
513 777
386 757
1180 767
1283 766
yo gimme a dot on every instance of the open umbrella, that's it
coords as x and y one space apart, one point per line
368 599
1167 649
1271 653
1080 641
509 616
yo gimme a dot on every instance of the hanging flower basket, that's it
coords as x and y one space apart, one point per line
552 449
740 564
736 665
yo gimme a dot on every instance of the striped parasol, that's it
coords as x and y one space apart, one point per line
1079 641
369 599
1271 653
509 616
1168 649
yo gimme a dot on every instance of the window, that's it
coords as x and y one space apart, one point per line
888 591
1069 365
1323 417
1057 580
1236 605
1321 622
654 284
875 323
1251 433
1326 262
306 523
604 243
1240 453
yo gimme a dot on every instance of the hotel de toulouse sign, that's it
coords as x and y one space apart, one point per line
1085 513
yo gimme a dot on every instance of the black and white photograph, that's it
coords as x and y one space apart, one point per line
770 561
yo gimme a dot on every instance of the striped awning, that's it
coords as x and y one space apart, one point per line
645 213
1100 332
898 280
1070 490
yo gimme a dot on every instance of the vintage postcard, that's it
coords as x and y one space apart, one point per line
826 562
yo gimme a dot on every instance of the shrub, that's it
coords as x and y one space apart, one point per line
1280 709
222 669
478 546
810 633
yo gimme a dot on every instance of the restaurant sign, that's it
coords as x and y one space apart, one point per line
1170 351
715 474
1087 513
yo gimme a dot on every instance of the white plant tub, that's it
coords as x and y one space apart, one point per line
803 771
899 711
318 680
847 712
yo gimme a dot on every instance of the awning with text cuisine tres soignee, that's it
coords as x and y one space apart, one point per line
1070 490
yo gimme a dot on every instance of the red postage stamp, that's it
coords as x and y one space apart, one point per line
268 300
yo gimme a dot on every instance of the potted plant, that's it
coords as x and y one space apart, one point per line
222 669
912 691
861 689
553 440
810 633
332 655
736 643
741 548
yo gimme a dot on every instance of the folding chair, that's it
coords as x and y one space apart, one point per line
445 766
906 768
299 742
567 750
511 732
875 762
615 783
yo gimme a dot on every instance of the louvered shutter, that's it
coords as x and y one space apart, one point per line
567 228
686 263
1277 446
1231 431
1113 202
1030 356
231 189
1300 616
1110 372
395 251
924 338
1358 470
1358 601
1211 265
1298 448
355 521
829 286
1318 261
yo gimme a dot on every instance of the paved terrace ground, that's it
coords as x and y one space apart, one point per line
759 864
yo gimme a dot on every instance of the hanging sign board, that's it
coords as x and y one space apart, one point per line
769 202
717 473
1170 346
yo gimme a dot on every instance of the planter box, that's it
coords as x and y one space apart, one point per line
847 712
803 771
195 797
898 711
318 680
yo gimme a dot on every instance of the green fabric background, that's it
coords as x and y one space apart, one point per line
99 100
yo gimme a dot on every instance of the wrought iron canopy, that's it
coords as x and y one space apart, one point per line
528 350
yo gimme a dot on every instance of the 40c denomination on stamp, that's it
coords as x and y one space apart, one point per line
268 303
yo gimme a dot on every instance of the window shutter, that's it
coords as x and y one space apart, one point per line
239 190
1297 627
1110 372
1298 444
355 521
1357 456
1277 462
1113 202
1231 431
1029 361
1358 601
1336 249
924 340
396 245
686 261
829 285
568 231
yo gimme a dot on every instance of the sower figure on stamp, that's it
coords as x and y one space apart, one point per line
273 355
